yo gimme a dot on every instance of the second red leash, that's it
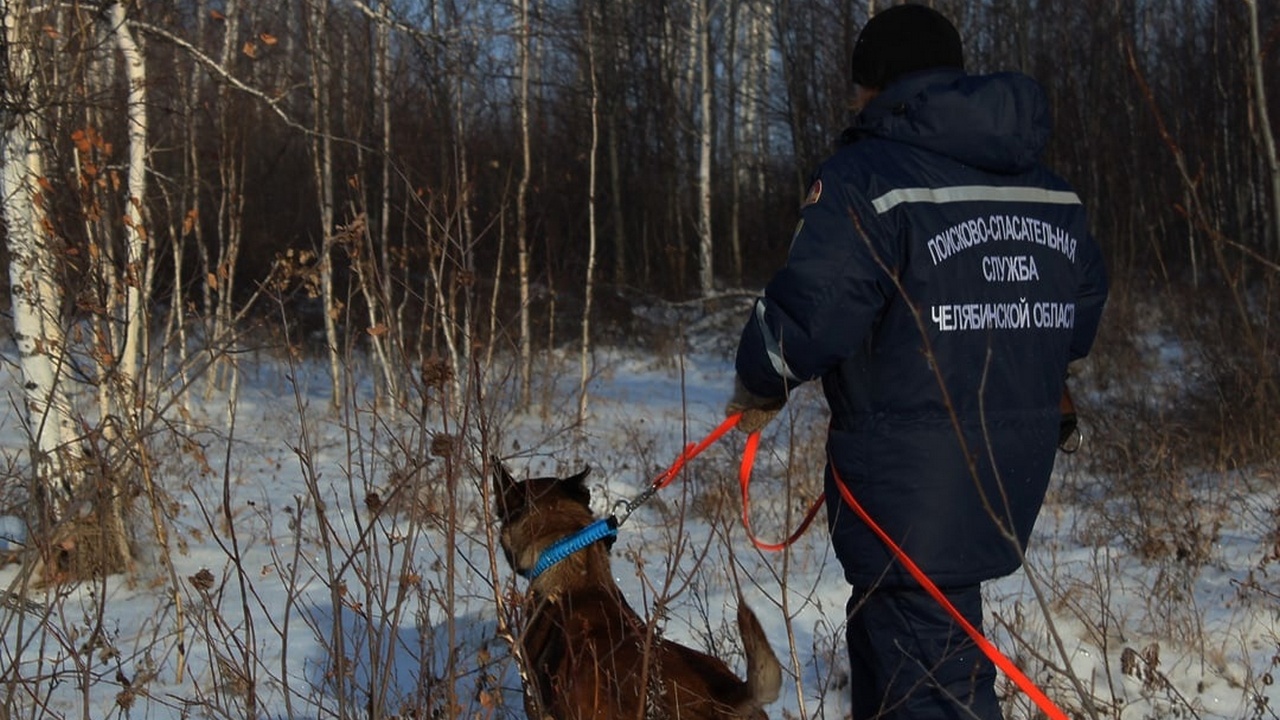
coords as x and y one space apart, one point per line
988 648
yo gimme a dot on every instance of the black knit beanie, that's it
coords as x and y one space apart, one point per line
903 39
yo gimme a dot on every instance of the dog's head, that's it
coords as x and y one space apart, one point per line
536 512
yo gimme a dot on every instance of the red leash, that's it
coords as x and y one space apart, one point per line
744 481
623 509
692 450
990 650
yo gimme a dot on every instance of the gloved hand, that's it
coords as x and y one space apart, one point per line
756 411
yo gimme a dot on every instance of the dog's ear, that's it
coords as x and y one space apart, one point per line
576 487
503 484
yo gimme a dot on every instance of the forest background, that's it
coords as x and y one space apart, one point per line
452 205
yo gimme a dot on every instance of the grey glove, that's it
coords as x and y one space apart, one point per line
756 411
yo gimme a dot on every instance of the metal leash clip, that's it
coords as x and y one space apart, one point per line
623 508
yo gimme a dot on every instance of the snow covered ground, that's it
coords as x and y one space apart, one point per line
324 565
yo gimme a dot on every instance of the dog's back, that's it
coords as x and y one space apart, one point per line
594 658
588 653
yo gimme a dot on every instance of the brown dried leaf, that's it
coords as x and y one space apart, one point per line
81 140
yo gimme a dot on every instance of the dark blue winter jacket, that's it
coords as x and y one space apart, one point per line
939 283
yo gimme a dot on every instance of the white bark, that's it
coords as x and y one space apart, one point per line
1269 154
701 23
435 287
462 279
382 84
747 54
370 261
585 357
230 217
322 159
522 230
99 228
191 221
762 65
138 263
35 291
193 153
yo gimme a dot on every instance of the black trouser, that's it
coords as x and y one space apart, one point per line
909 659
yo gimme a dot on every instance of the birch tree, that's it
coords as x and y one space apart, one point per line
35 288
739 15
1267 138
584 361
93 165
456 313
382 96
747 72
700 22
139 255
322 169
367 245
221 279
525 44
189 204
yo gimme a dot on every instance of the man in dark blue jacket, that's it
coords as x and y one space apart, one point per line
939 283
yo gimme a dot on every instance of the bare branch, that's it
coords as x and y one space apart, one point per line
403 27
271 102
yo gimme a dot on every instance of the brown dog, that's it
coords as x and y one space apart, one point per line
587 653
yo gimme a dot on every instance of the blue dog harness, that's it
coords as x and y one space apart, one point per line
566 546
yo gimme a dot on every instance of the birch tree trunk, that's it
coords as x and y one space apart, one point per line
701 23
757 120
367 246
197 75
522 200
222 276
138 256
459 315
1269 154
189 207
100 228
322 167
584 362
394 343
36 294
748 86
737 60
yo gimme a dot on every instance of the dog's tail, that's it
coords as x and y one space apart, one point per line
764 673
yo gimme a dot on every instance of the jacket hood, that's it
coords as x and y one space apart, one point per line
998 123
